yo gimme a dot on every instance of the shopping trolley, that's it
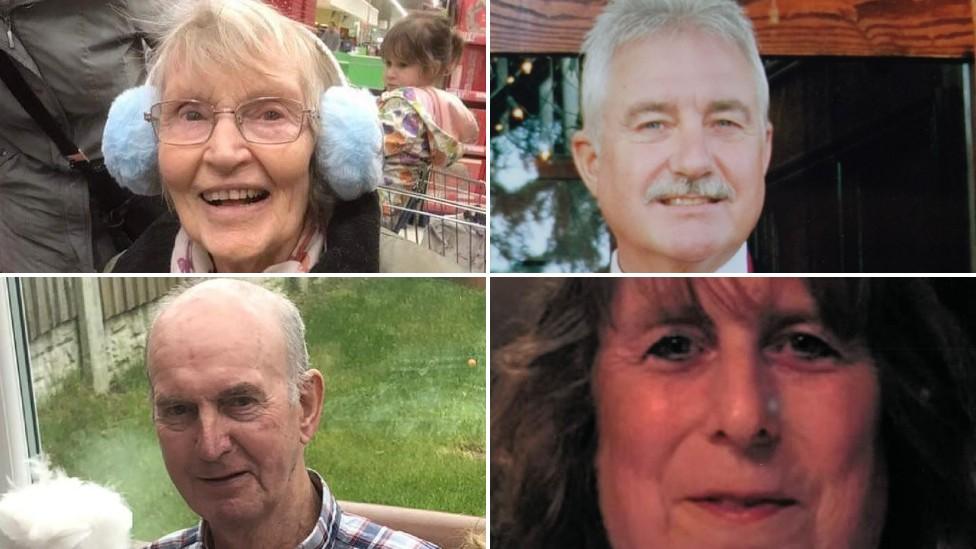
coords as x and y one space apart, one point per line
444 212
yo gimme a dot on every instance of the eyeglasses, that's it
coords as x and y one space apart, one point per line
265 120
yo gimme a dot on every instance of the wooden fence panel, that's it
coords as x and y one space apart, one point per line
142 293
49 302
118 299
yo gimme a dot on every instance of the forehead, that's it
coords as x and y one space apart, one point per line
219 84
686 67
641 301
207 344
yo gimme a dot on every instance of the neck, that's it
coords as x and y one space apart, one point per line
285 526
633 261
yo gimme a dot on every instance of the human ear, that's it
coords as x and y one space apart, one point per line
587 160
310 398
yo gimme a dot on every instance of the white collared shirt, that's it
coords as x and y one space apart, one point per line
738 263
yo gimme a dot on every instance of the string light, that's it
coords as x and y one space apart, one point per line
499 127
527 66
545 155
518 113
510 80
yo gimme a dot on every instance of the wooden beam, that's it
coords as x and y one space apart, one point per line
903 28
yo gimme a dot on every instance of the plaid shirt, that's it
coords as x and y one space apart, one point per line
333 530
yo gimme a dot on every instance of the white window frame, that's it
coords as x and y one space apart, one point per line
19 435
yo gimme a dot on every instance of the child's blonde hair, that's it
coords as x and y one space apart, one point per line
424 39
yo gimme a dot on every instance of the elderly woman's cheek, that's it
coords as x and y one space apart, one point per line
641 424
178 168
290 172
840 444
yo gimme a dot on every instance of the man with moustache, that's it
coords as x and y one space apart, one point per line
676 139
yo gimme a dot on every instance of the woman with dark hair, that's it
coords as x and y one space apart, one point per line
826 413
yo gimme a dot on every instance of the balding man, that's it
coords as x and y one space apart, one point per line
234 404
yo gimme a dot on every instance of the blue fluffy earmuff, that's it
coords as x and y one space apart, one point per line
348 152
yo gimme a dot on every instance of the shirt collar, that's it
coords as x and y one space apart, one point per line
322 536
738 263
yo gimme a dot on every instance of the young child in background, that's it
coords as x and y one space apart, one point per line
423 126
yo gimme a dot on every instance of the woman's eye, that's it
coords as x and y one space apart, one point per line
810 347
673 347
270 116
191 114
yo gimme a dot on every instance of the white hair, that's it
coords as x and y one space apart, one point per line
240 37
623 21
292 326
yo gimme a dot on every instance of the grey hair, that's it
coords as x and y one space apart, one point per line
625 20
292 325
239 35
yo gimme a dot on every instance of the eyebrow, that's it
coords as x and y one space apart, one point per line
779 320
241 389
167 400
663 107
727 105
238 390
681 315
650 107
263 91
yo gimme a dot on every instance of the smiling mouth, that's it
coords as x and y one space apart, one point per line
746 502
688 200
224 478
746 508
234 197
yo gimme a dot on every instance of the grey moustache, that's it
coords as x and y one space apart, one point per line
713 188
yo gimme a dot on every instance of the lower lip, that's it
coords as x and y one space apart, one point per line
225 481
234 213
741 513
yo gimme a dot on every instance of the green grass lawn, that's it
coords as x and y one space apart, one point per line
404 418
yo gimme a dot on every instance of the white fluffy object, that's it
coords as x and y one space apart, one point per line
60 512
128 141
349 150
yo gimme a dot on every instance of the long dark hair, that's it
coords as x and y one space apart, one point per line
544 437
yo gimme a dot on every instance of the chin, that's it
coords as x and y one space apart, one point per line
696 251
245 244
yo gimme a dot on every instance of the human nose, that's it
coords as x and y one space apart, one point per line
746 404
691 158
213 440
226 147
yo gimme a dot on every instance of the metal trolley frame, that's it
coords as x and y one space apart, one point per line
445 213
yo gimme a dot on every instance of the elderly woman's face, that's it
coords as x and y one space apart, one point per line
245 203
738 420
